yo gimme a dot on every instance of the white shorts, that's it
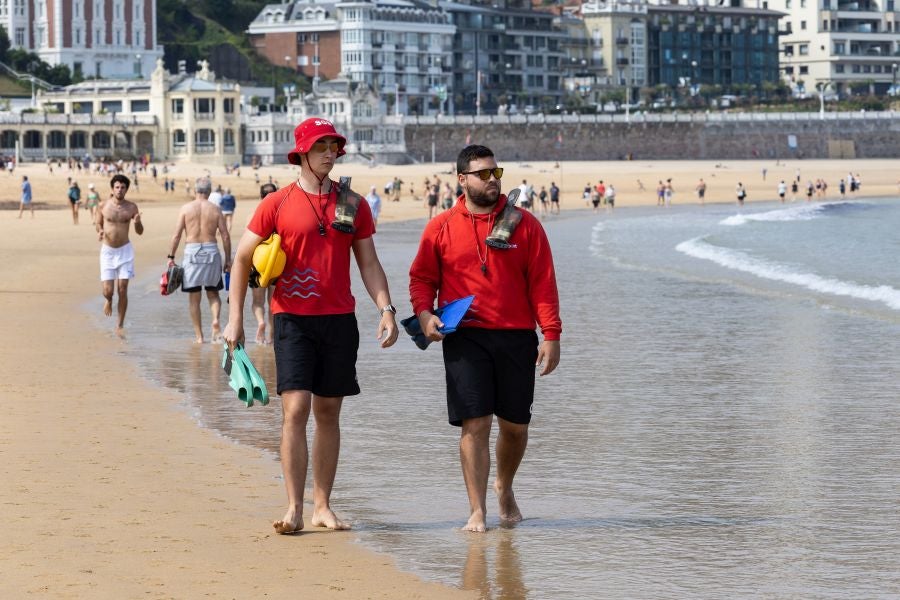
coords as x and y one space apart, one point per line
116 263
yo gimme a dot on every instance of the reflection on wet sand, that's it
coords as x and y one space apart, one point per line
506 583
197 373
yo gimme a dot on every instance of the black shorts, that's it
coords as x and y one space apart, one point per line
316 353
490 371
209 288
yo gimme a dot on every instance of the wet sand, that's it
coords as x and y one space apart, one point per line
112 491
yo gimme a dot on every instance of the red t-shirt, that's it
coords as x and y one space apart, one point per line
518 286
316 276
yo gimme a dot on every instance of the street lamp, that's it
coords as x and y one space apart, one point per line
894 68
822 86
694 82
140 67
478 93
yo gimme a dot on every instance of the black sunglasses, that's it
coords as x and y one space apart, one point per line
485 174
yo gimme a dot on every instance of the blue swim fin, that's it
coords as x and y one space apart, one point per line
239 378
260 392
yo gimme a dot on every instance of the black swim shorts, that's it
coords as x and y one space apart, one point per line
490 371
316 353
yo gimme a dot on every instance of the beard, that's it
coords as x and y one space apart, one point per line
485 197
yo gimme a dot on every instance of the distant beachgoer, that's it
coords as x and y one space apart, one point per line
228 205
701 191
93 199
396 188
668 192
554 198
610 197
25 199
741 193
200 220
842 188
794 189
810 188
446 197
782 190
74 196
660 193
113 224
542 196
215 196
374 201
434 192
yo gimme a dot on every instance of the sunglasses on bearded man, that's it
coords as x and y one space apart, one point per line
485 174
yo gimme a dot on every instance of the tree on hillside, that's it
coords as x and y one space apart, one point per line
4 43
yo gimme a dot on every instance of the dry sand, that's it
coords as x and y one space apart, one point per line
110 491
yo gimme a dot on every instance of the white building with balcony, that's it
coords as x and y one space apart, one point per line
356 110
850 46
170 117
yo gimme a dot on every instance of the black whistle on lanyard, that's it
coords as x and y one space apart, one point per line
506 224
347 205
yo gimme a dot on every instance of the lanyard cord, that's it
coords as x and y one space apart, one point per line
477 246
319 220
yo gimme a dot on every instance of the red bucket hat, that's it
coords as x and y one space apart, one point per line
308 132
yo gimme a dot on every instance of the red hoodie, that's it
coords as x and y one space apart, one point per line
517 287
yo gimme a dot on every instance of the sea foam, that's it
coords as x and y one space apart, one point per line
803 212
739 261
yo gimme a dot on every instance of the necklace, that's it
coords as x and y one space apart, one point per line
319 220
483 260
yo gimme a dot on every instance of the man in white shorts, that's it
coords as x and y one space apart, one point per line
113 223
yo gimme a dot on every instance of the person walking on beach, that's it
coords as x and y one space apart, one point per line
554 198
25 199
374 201
741 193
609 198
113 224
795 187
668 192
782 190
660 193
228 205
701 191
93 199
199 221
261 298
74 196
490 360
316 335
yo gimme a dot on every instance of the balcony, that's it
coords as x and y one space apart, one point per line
621 61
621 41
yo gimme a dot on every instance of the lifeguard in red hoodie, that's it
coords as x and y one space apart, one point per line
501 255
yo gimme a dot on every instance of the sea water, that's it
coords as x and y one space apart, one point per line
723 422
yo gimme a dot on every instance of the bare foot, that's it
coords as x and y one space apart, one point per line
291 523
107 308
199 340
476 523
327 518
120 331
509 509
216 332
261 333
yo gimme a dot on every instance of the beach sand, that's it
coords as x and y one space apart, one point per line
110 490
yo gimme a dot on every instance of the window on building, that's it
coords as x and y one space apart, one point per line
839 48
178 138
804 49
178 106
802 25
787 4
788 50
204 140
228 137
204 106
228 105
111 106
789 70
20 36
140 106
804 70
838 68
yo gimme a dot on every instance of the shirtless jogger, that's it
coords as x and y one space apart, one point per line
113 223
200 220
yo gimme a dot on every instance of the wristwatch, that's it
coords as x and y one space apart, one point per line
389 308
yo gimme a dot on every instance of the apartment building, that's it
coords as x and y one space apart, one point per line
94 38
707 43
617 40
400 47
850 46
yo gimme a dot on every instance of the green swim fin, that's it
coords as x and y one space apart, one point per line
259 389
239 377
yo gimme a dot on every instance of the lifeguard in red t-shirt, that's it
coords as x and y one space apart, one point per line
316 336
490 359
